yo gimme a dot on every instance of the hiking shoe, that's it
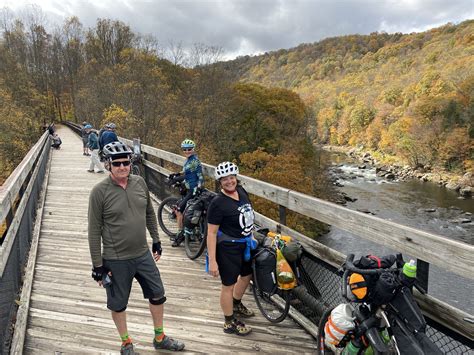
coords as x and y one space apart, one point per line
168 344
101 172
90 171
127 349
236 327
178 239
243 311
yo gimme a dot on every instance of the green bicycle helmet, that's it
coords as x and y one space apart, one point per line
188 143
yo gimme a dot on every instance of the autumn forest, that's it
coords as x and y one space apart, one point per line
407 97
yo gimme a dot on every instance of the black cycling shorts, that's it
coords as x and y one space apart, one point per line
143 269
231 263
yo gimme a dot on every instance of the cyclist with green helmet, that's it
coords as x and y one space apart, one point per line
193 179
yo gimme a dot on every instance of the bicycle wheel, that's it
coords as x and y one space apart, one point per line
167 216
195 243
322 348
273 306
136 170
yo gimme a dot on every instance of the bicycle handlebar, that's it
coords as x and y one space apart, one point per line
349 266
175 179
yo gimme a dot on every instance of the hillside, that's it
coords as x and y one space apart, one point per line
410 97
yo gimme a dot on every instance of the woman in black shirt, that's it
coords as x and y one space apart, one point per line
229 240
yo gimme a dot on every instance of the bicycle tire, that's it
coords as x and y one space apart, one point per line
274 307
166 217
195 243
321 347
136 170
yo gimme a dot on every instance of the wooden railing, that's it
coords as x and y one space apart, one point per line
14 195
19 199
447 254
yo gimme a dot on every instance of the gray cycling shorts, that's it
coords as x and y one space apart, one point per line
143 269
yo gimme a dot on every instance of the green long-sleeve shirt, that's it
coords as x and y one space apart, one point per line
118 218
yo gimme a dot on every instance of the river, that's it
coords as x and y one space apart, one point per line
422 205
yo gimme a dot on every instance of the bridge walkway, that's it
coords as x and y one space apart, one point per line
67 313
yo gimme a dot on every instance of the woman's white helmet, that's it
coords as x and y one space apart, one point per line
226 168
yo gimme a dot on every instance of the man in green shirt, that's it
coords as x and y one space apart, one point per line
120 209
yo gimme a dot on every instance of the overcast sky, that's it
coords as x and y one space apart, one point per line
243 27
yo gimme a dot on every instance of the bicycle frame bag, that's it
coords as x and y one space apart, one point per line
404 305
206 197
265 270
409 326
192 212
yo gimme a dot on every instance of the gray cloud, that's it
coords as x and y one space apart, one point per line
254 26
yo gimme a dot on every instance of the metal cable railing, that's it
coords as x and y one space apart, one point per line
19 198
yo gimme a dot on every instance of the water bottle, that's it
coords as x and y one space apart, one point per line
408 276
352 348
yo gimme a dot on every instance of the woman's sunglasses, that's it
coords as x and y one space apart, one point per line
187 149
118 163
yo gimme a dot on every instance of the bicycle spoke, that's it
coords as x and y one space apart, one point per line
167 217
273 307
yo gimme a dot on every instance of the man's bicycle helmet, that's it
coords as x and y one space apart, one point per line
226 168
116 150
112 126
188 143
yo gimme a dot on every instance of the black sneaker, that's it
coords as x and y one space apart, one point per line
178 239
168 344
237 327
127 349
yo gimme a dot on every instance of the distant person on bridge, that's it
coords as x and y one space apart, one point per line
108 136
93 144
55 141
193 179
85 138
229 241
120 211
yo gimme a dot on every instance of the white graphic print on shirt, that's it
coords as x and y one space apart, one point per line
246 219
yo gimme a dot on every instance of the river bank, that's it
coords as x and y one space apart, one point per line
463 185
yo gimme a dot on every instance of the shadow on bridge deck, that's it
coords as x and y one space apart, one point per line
67 311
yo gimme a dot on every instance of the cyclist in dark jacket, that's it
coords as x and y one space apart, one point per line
108 136
93 144
193 179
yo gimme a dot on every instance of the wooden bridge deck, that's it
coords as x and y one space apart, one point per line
67 313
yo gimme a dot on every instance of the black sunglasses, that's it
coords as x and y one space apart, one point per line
187 149
118 163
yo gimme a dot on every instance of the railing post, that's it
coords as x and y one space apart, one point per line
282 213
422 274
